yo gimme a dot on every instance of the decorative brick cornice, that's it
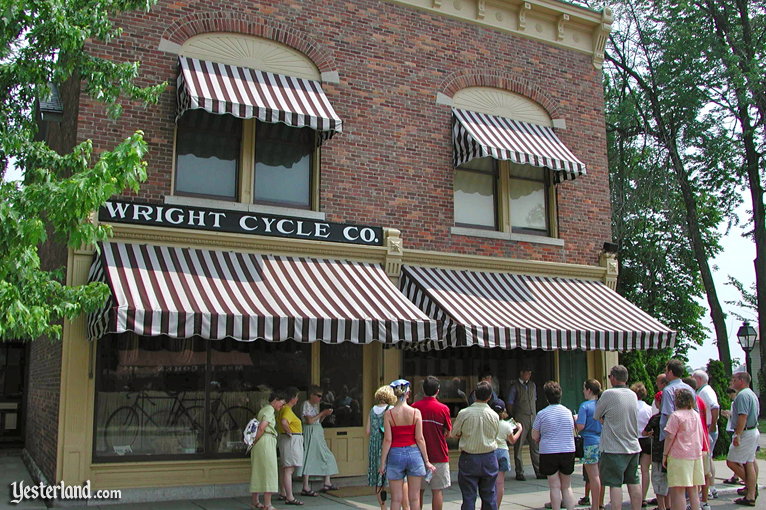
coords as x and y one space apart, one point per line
499 80
204 22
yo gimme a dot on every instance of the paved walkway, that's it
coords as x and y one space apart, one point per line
532 494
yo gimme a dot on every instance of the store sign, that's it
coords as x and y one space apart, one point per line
240 222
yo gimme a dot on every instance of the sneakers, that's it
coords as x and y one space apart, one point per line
712 493
584 501
704 506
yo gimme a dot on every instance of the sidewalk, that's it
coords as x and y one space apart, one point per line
532 494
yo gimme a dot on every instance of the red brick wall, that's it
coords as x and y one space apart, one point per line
42 411
391 166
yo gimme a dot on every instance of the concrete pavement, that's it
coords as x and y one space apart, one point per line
532 494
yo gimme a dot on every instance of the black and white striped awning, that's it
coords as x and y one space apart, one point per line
529 312
185 292
247 93
478 135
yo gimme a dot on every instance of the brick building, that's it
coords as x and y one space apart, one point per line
307 161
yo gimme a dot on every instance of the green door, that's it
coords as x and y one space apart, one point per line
573 370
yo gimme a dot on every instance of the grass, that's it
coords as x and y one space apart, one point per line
762 425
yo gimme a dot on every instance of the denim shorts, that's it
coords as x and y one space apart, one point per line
404 461
503 460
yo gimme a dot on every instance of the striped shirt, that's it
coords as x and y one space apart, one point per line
617 406
476 426
555 424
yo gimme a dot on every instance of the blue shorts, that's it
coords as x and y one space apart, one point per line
404 461
503 460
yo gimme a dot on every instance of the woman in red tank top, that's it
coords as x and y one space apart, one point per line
404 449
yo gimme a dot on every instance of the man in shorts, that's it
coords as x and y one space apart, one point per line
744 441
619 444
436 426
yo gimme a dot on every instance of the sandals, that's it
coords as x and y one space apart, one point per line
328 488
310 493
294 502
745 501
732 481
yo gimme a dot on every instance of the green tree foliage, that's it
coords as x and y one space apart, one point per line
672 171
719 381
44 42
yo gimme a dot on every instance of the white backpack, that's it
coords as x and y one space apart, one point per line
248 435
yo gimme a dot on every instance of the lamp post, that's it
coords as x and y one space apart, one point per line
747 335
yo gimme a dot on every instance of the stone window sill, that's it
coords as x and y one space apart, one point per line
506 236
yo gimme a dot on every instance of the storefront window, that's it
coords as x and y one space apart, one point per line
165 398
341 381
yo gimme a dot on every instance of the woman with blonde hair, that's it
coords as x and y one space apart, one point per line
404 449
682 456
384 400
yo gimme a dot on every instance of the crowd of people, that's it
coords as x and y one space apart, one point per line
621 439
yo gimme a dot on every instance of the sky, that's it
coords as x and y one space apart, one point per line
735 260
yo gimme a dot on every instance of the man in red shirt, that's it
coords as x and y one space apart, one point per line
436 427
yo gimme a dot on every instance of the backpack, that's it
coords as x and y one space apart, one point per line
248 435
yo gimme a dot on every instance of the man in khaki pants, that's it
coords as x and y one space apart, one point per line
522 406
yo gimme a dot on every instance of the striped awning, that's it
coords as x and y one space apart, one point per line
478 135
247 93
185 292
530 312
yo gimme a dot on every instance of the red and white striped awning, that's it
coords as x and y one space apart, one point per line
185 292
530 312
478 135
247 93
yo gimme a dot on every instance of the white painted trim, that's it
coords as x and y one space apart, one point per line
559 123
239 206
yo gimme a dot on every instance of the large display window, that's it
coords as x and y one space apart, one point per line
164 398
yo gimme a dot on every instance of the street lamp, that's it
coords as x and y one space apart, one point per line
747 335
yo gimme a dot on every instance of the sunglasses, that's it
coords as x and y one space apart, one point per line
320 395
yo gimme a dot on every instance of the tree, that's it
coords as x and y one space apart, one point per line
663 80
44 43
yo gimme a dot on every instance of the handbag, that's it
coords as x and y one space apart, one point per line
579 447
381 489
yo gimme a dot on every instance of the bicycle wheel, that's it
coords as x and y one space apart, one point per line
121 430
230 424
187 428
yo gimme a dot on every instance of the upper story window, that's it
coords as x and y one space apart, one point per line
498 195
245 134
507 160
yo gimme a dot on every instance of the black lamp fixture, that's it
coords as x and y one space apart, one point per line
610 247
747 336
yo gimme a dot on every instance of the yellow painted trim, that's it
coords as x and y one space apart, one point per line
550 21
495 264
245 243
247 162
169 474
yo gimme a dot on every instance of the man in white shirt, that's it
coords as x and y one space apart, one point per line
713 408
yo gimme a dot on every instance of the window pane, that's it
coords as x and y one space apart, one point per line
149 397
527 204
208 148
242 374
474 199
283 164
342 383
